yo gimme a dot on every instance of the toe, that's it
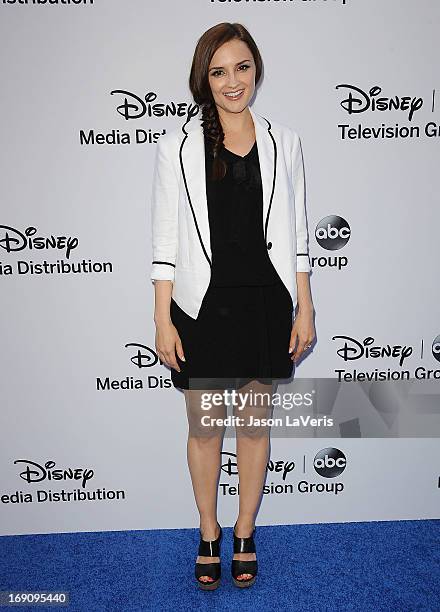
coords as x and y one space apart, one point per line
206 578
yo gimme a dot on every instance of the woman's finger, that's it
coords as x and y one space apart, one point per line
300 349
179 349
293 337
171 358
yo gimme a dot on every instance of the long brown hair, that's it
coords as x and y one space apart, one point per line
200 88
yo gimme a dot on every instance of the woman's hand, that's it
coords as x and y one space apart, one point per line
168 343
303 330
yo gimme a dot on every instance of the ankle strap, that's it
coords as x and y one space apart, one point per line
210 548
244 545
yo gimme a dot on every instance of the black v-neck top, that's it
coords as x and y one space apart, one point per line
235 209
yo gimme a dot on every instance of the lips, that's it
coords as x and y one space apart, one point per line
234 97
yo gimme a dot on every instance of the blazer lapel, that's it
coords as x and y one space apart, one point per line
192 163
267 154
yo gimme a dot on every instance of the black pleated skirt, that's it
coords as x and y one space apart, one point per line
241 334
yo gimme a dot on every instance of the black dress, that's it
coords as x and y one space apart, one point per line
243 328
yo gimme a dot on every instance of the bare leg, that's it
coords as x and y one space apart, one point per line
252 458
204 459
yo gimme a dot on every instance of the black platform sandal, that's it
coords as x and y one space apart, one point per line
244 545
209 548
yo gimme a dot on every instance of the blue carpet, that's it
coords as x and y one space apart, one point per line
370 566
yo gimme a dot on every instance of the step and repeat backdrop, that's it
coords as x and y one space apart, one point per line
93 434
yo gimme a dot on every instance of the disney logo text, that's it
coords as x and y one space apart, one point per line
361 101
138 108
36 473
14 240
353 349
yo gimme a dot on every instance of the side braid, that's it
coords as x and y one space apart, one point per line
213 131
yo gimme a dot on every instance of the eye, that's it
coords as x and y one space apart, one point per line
216 73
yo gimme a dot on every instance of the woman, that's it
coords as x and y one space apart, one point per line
230 264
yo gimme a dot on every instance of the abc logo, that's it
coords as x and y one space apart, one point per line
332 233
436 348
329 462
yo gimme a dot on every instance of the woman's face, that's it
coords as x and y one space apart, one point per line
232 70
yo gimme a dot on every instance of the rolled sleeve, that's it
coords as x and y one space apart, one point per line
302 249
164 215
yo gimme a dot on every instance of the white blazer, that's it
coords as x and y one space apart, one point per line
179 211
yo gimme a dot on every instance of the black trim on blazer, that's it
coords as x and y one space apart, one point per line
273 180
165 262
187 190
